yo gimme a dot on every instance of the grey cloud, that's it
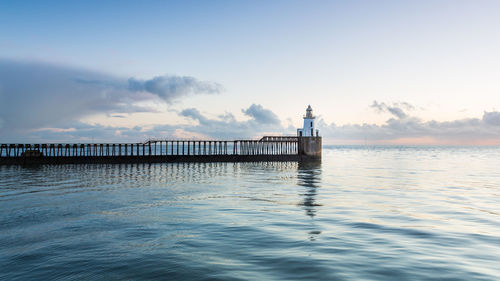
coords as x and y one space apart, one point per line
404 105
35 95
396 109
170 88
457 131
264 121
193 113
228 117
260 114
81 132
226 126
492 118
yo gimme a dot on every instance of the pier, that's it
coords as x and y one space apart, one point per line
306 146
268 148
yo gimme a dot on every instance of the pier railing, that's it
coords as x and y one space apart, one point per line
268 145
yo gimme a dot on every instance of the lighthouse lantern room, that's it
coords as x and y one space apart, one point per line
309 129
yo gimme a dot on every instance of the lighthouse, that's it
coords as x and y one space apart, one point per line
309 139
309 129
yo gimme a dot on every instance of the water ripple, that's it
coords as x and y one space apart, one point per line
364 213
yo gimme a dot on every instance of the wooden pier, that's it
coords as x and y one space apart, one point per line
268 148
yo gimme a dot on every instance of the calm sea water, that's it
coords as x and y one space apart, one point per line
364 213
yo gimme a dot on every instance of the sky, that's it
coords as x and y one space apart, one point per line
375 72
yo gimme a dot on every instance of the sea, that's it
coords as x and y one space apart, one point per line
363 213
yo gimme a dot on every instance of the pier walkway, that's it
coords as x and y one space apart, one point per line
268 148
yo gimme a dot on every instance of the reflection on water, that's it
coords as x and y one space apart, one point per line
309 175
375 213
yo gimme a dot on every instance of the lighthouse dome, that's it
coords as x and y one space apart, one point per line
309 111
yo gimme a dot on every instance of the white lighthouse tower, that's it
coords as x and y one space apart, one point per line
309 129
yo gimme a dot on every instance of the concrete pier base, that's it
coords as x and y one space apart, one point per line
310 148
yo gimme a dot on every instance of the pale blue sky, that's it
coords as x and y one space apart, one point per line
442 57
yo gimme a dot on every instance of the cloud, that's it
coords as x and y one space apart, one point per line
224 126
261 115
394 110
193 113
77 132
404 129
36 95
408 130
43 102
492 118
262 121
397 109
170 88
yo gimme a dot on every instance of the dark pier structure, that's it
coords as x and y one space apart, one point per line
268 148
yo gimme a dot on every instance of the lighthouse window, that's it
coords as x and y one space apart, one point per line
311 124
